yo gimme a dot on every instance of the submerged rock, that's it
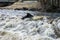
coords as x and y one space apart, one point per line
28 16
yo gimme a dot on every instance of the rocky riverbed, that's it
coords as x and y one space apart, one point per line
13 27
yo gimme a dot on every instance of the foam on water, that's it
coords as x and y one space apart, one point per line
14 28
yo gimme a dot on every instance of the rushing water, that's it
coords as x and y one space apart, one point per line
12 27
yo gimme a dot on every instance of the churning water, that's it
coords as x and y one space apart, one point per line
12 27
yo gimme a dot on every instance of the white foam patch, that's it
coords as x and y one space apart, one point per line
14 28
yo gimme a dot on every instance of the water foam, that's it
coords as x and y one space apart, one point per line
14 28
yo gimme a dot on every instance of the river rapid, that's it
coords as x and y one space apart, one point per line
12 27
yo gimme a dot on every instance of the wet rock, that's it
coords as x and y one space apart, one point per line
32 9
18 9
28 16
24 8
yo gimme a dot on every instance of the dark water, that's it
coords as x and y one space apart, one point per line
22 13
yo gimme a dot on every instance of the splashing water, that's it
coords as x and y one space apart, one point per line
12 27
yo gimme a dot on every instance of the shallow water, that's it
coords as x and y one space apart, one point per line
12 27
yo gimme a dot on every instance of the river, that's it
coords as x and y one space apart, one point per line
12 27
